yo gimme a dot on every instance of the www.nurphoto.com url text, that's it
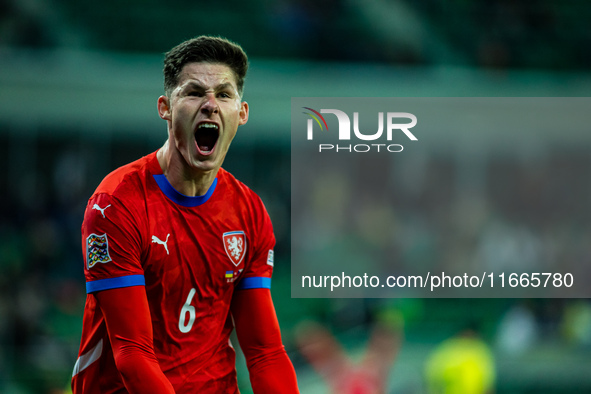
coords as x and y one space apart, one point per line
441 281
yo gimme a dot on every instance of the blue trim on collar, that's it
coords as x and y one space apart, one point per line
181 199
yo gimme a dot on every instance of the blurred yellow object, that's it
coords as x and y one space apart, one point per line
461 365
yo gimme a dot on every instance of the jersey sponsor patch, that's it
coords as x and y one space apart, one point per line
235 246
270 257
97 250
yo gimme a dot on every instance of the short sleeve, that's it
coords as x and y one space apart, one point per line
111 245
259 268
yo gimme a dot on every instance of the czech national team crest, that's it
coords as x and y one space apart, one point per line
97 250
235 246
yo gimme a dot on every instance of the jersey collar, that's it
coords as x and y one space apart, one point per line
181 199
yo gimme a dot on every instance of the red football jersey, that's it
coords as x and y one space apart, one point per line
191 253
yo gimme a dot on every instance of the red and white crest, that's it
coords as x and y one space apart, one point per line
235 246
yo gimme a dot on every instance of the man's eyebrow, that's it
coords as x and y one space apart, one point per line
197 85
194 85
226 86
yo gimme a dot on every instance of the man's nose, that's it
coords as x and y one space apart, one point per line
210 106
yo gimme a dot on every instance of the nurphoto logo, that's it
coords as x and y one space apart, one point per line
344 132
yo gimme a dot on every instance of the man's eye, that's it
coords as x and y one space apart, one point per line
224 95
194 93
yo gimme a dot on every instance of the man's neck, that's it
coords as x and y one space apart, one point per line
186 181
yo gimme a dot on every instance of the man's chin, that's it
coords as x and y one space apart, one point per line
205 163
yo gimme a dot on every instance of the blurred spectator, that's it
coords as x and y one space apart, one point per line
342 374
576 324
463 364
518 330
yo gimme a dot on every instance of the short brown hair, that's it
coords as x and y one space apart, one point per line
204 49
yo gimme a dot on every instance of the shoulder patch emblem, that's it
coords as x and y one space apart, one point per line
97 250
235 246
270 258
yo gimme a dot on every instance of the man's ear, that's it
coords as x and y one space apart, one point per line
164 108
243 113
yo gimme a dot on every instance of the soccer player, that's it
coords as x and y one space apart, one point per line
178 252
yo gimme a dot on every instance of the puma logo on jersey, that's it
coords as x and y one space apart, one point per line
102 210
157 240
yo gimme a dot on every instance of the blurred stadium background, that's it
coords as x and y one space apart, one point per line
78 89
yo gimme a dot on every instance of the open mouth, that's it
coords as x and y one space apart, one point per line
206 136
